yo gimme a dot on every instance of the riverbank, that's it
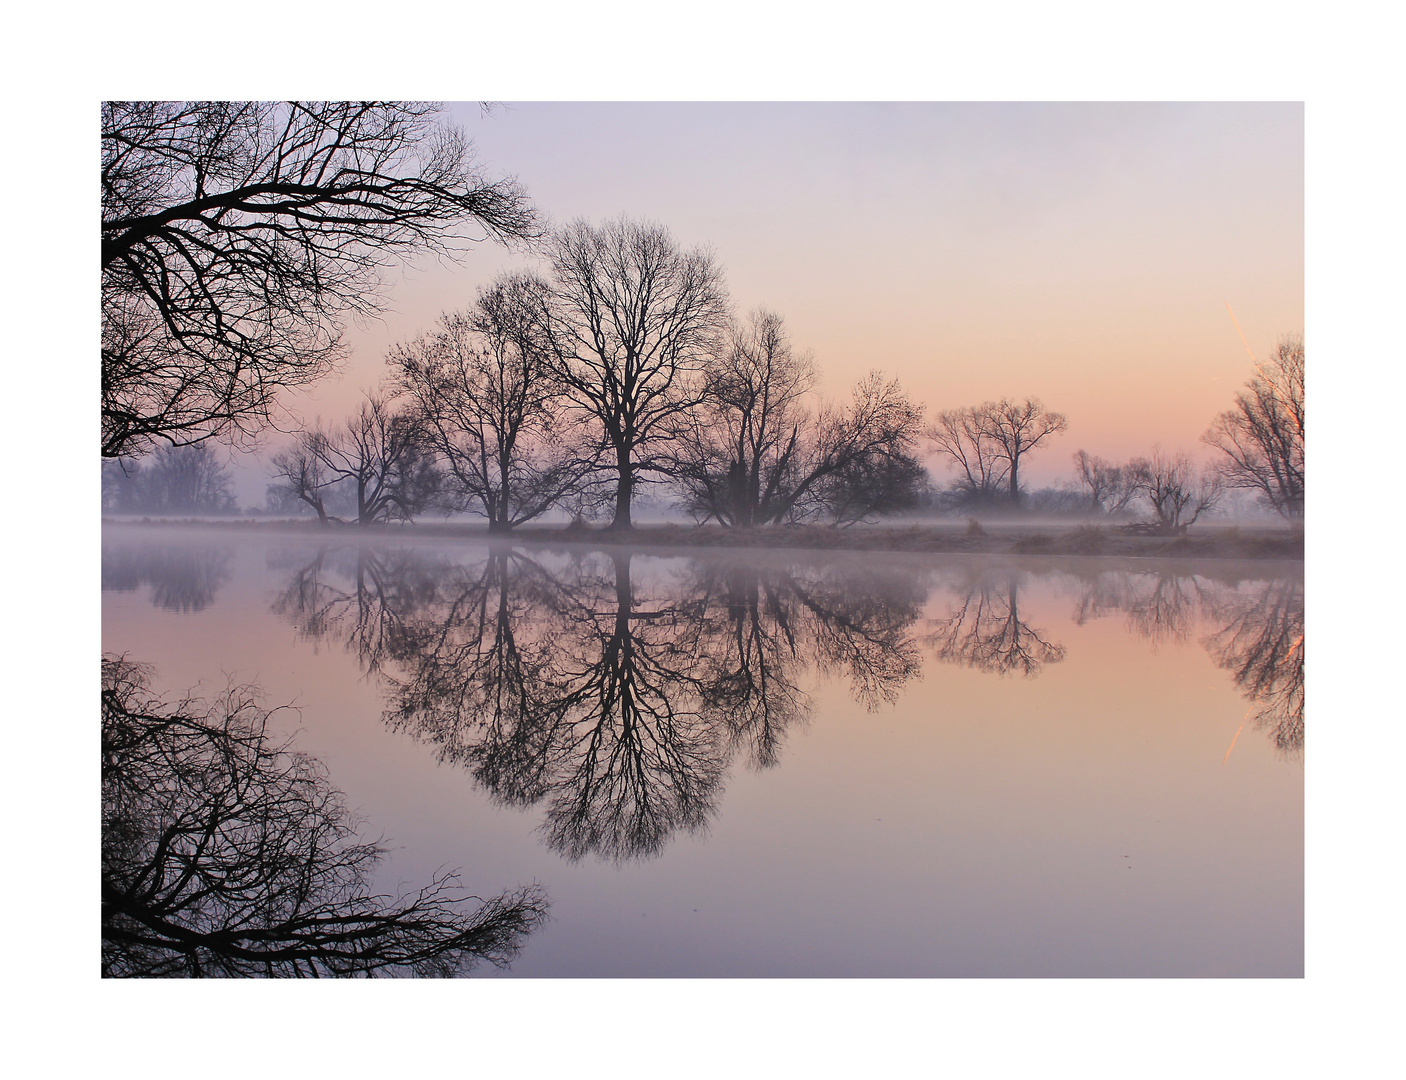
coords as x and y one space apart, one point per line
1204 542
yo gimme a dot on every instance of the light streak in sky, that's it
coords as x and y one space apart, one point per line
1273 385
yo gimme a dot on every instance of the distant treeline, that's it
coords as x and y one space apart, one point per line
624 367
171 480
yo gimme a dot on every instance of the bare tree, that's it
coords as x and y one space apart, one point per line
1109 487
227 854
1018 428
1174 492
484 388
237 236
633 321
379 455
753 451
971 452
1261 440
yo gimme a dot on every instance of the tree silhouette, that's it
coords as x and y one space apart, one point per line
1174 493
1018 428
632 321
752 451
984 444
1109 487
379 457
226 854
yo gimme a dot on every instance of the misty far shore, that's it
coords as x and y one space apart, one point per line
1209 541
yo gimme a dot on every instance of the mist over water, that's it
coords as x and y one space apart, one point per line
782 763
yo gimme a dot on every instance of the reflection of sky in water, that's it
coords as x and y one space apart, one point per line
790 765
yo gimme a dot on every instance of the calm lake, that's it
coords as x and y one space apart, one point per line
779 763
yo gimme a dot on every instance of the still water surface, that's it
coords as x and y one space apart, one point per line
781 764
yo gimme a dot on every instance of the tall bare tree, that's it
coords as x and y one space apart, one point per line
633 321
237 236
490 405
1261 439
740 448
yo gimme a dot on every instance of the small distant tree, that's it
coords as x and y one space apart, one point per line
379 455
490 406
1174 492
1261 440
1107 487
633 320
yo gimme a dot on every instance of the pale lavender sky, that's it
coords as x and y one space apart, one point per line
1083 254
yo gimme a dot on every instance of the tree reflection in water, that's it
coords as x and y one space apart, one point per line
1259 635
183 577
983 630
1262 647
619 707
225 854
360 596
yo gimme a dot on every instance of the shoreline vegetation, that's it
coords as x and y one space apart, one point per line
965 538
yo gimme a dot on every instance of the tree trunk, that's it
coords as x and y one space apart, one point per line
1015 480
623 490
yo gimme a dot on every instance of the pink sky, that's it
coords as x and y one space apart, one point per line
1083 254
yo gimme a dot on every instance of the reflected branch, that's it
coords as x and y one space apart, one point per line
1262 646
226 854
